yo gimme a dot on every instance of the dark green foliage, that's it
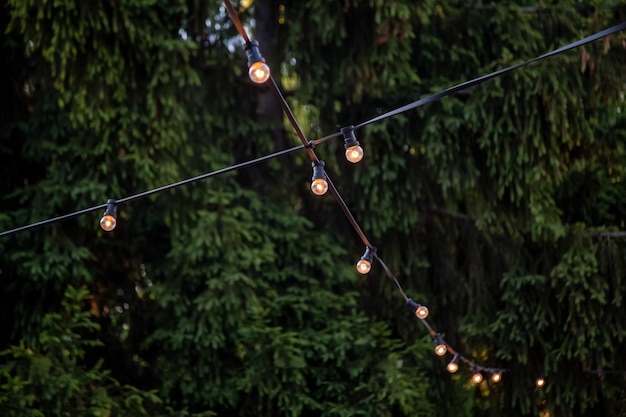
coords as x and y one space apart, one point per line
51 379
501 208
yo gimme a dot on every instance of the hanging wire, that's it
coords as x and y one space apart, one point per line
476 81
234 17
155 190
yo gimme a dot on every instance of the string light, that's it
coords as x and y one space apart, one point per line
319 185
496 376
258 70
453 365
540 382
354 152
440 346
421 312
477 376
365 263
109 219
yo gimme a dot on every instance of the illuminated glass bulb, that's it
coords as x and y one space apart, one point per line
365 263
259 72
109 219
319 186
496 377
441 349
421 312
453 366
440 346
354 154
540 382
108 222
363 266
477 377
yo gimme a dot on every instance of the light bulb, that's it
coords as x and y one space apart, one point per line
354 154
540 382
365 263
453 366
109 218
421 312
363 266
440 346
259 72
108 222
319 186
477 377
441 349
496 377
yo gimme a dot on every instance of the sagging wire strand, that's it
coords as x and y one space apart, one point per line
153 191
259 73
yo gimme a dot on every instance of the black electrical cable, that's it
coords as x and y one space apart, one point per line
234 17
347 212
391 276
476 81
309 148
293 121
155 190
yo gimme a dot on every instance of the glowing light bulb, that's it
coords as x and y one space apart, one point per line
108 222
540 382
354 154
259 72
109 218
421 312
477 377
365 263
319 186
453 366
496 377
440 346
441 349
363 266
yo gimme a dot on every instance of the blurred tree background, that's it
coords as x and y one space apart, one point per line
500 208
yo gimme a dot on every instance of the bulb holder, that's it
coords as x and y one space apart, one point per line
453 365
421 312
258 70
365 263
109 218
349 138
440 346
319 185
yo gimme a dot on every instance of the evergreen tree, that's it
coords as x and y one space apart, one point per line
499 207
